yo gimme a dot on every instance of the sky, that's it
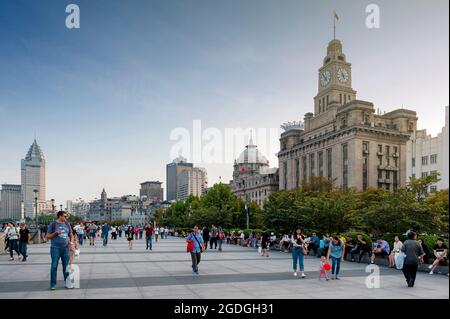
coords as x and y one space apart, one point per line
103 99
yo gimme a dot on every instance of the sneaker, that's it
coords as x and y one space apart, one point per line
430 266
371 261
295 274
337 278
52 288
69 284
11 259
303 275
24 259
431 272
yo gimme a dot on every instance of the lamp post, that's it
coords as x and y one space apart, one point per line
247 211
53 206
60 206
36 205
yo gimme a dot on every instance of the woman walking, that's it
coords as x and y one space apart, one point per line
13 236
130 236
206 236
414 255
336 252
298 251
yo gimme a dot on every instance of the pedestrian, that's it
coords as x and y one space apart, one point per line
198 247
166 232
205 236
130 236
141 232
136 232
414 255
336 252
214 236
394 253
265 245
314 244
60 234
440 253
148 236
73 249
221 238
156 233
360 248
298 251
13 236
92 234
79 233
105 234
120 231
113 233
161 231
23 240
323 272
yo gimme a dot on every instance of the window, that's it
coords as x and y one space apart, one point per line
312 165
297 173
387 150
433 159
329 164
424 160
395 180
380 160
327 100
365 147
364 172
380 173
424 174
340 98
413 162
320 159
433 173
395 150
285 174
380 148
388 175
304 169
345 99
413 175
344 167
433 189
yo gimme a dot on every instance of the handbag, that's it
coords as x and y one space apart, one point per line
190 246
399 260
260 250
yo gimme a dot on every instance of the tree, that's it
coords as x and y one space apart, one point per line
419 186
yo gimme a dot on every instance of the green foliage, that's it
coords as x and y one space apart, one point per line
354 236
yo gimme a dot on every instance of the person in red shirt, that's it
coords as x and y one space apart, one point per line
148 236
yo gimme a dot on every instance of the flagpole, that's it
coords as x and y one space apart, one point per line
334 25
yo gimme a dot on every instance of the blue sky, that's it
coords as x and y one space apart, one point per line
103 99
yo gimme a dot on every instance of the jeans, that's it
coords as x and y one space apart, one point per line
13 246
80 238
335 265
212 241
56 253
297 254
105 239
148 241
23 249
220 241
195 260
409 271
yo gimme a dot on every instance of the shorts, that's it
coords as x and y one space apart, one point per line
92 234
129 239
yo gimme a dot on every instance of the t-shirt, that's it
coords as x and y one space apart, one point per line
105 230
130 234
13 233
440 249
148 231
197 239
24 235
62 240
336 250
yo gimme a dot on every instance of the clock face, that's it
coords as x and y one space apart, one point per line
325 78
342 75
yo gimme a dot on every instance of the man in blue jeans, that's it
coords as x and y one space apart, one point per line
148 236
105 233
60 234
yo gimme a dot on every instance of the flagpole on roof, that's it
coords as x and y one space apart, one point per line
334 25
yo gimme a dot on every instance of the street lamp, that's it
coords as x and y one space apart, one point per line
36 205
247 211
53 206
60 206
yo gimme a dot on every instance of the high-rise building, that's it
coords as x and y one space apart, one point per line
11 202
173 170
345 140
191 181
428 155
33 179
253 179
152 191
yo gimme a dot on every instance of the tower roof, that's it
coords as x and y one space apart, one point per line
35 152
251 155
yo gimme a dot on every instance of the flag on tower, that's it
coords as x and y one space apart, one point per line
336 16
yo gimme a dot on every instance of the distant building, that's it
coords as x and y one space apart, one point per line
253 179
152 191
173 169
191 182
429 155
11 202
33 178
81 209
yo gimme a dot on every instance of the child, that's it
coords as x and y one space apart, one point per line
322 271
73 248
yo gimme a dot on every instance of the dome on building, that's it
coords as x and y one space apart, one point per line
35 152
251 155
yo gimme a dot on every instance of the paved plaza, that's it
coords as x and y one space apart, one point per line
236 272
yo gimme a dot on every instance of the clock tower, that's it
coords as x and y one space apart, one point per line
335 80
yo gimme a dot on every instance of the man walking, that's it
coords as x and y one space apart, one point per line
13 237
23 241
414 255
214 235
148 236
105 233
60 234
199 246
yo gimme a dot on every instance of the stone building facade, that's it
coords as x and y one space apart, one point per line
253 179
345 140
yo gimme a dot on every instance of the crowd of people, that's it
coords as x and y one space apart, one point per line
66 239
